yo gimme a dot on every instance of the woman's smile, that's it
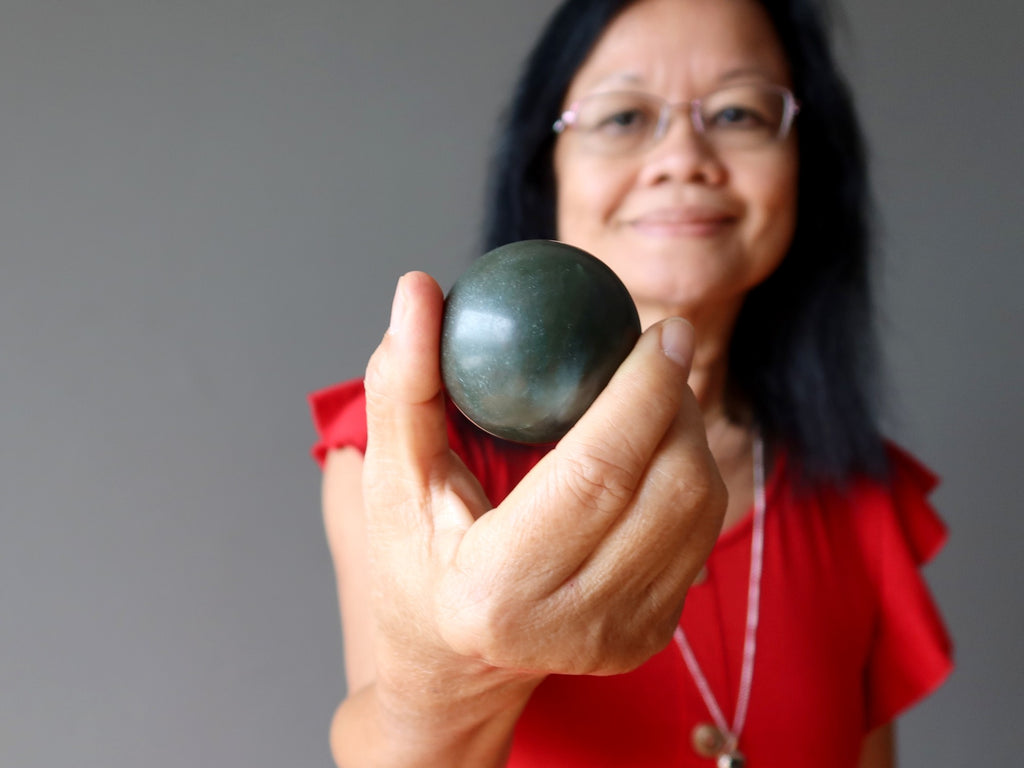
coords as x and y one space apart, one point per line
695 221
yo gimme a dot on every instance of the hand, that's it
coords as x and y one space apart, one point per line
582 569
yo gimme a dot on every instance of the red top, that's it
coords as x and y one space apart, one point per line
848 637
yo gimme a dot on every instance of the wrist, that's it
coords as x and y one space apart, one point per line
454 696
457 726
461 712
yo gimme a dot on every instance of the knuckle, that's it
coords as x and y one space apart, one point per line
700 485
382 394
653 618
643 648
597 483
623 652
654 635
715 494
374 377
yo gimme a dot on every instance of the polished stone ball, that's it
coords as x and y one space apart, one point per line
532 332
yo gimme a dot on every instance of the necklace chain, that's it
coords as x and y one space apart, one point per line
732 734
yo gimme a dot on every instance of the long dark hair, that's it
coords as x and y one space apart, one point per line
804 351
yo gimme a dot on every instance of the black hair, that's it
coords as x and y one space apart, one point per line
804 350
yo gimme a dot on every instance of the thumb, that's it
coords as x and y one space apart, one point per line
404 405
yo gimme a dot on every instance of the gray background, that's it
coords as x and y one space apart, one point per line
204 205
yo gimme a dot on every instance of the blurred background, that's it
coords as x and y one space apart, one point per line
204 206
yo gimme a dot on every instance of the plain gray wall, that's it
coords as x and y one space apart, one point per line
204 205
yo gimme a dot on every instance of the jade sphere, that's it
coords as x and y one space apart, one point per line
532 332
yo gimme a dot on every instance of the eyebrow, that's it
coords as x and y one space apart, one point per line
629 77
737 73
742 72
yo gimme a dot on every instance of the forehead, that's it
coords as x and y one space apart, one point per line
681 48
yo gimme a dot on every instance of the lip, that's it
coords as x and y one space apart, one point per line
693 221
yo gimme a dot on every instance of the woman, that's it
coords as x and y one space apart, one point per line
548 631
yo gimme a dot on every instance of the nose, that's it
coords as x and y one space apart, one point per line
682 154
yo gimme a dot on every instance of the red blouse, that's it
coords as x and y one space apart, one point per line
848 637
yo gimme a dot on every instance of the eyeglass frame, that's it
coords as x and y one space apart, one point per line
791 108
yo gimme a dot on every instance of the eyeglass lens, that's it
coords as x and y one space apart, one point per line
738 116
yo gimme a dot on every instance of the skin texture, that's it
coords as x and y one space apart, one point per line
451 619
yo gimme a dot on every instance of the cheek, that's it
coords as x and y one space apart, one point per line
773 193
587 195
781 205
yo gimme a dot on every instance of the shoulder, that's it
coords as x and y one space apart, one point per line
876 520
896 510
339 416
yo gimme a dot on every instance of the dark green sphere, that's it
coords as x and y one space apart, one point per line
532 332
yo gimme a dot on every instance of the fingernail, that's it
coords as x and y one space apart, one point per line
677 341
397 306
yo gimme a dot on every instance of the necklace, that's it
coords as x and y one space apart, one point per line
724 742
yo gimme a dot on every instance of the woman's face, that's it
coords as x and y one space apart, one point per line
689 229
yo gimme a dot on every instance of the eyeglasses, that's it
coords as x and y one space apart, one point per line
736 117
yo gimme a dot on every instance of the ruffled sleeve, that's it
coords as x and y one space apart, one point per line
339 415
912 653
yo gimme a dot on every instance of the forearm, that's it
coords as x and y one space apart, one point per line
879 749
369 731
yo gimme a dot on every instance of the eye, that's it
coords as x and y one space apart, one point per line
623 121
738 117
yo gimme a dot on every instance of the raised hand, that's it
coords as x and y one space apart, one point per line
581 570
